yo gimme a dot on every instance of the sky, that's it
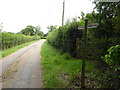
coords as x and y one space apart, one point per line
17 14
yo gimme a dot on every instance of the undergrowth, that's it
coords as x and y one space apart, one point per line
63 71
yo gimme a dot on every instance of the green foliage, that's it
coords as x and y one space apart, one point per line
113 58
8 51
111 76
38 32
83 15
32 31
100 39
108 19
10 39
60 70
107 34
29 30
51 28
64 37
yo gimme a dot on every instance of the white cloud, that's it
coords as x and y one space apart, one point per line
17 14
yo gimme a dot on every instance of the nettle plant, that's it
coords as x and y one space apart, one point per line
111 77
113 57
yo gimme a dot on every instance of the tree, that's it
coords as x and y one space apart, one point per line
29 30
82 15
37 30
108 17
50 28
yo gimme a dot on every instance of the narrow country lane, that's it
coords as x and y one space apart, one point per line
25 72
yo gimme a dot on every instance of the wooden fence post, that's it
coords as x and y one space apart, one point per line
77 47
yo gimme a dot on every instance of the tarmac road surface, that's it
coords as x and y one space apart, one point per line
22 69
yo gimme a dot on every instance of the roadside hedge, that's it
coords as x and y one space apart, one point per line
64 38
9 40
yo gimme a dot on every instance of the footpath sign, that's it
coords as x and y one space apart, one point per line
95 25
89 26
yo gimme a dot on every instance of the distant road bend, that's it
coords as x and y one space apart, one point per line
22 69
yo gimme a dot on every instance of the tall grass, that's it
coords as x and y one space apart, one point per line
59 69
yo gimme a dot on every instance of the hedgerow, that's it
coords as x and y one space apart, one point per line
11 39
64 37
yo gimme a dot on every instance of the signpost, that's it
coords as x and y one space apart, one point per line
85 49
89 26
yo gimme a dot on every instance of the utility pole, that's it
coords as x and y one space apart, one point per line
63 12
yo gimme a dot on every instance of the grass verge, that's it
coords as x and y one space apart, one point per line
6 52
60 70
